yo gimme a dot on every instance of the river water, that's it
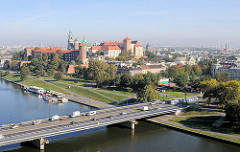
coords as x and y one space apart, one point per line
18 106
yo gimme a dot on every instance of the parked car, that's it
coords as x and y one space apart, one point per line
2 126
15 126
36 122
123 113
1 136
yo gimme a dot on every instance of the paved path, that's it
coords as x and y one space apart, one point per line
82 99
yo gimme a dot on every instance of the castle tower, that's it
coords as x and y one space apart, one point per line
70 41
127 44
76 44
83 53
149 48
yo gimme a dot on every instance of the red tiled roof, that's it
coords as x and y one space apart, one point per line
110 43
82 44
168 84
96 48
109 47
138 44
144 67
127 38
65 51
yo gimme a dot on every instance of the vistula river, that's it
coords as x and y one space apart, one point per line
18 106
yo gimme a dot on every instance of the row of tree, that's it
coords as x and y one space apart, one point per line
104 75
227 94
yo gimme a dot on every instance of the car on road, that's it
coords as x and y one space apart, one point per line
55 117
15 126
123 113
1 136
2 126
73 122
64 118
36 122
91 113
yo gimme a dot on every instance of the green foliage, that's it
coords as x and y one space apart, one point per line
151 56
147 94
101 78
58 75
15 65
233 113
125 81
181 79
24 72
209 88
6 65
206 66
223 77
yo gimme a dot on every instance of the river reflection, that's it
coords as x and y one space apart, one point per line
17 105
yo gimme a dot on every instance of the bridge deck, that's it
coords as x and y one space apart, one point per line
28 132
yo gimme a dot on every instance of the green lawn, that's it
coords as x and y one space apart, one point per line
196 111
204 122
113 96
16 78
46 86
13 77
84 92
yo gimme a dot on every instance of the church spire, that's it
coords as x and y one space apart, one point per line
84 40
70 36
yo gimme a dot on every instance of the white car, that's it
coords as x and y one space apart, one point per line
1 136
91 113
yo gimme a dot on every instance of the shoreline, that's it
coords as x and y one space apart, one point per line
191 131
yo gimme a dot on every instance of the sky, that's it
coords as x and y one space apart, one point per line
158 22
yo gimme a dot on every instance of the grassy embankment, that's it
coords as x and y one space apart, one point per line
189 118
202 132
170 94
31 82
88 83
84 92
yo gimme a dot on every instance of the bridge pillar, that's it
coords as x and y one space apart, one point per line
40 143
130 124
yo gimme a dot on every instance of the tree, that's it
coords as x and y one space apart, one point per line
229 91
147 94
138 82
233 113
222 77
96 66
197 70
210 89
6 64
112 69
58 75
126 80
15 65
194 81
171 71
101 78
24 72
206 66
181 79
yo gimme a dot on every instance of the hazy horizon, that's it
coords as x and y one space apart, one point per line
173 23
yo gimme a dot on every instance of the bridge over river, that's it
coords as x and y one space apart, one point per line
124 115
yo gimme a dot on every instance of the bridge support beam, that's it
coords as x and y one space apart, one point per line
40 143
129 124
